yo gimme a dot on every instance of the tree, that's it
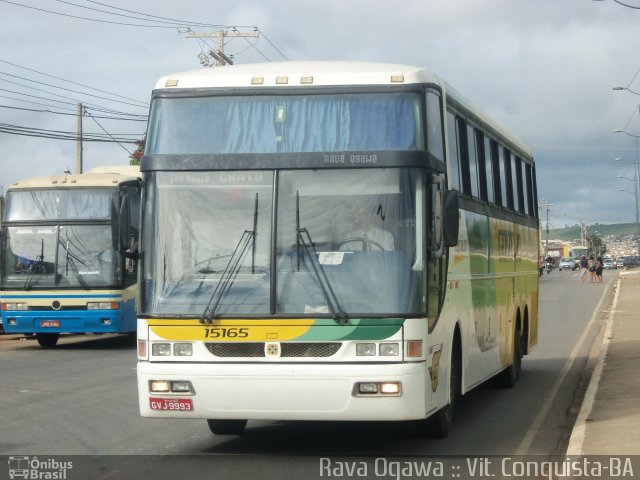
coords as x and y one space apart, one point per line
134 158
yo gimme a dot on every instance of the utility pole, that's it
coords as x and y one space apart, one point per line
545 205
79 141
218 55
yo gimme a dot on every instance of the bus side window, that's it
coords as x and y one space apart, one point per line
482 165
435 140
529 189
522 193
454 153
505 191
495 162
516 184
472 151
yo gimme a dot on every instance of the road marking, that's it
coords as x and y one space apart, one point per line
525 445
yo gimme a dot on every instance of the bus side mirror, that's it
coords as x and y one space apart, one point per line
451 217
445 221
120 223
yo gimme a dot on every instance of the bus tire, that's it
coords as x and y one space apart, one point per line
440 423
227 427
47 340
509 377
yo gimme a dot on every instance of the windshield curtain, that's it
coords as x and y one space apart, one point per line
60 256
59 204
286 123
346 242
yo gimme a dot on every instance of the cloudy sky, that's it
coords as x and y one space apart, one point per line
543 68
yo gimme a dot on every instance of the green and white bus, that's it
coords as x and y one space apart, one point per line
330 241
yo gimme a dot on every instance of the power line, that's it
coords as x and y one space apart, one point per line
70 90
73 102
71 82
158 23
77 17
174 20
275 48
66 135
71 114
104 130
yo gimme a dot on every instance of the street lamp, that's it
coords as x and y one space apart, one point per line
625 88
636 164
635 193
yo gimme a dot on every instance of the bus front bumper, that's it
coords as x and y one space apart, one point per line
84 321
285 391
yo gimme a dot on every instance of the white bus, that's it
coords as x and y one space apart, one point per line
63 270
330 241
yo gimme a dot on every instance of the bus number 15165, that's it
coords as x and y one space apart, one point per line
226 332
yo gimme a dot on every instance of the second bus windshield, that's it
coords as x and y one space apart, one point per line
346 241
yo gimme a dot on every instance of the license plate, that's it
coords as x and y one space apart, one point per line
50 323
171 404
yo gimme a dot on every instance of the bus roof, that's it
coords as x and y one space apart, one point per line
97 177
324 74
283 74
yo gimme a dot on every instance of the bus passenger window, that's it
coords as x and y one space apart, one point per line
529 190
483 180
520 182
508 179
435 143
454 153
473 161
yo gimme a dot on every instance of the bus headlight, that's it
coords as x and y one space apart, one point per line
389 349
171 386
102 306
161 349
183 349
14 306
159 386
393 389
365 349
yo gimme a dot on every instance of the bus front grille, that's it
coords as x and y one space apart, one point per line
257 349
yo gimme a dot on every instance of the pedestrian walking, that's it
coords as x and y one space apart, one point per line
584 267
592 269
599 269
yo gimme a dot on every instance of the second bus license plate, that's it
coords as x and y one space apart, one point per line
50 323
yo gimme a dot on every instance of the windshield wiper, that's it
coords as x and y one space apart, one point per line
338 314
233 267
38 264
71 261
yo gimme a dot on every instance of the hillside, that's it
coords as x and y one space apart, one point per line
572 233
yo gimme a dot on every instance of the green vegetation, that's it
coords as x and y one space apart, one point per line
573 233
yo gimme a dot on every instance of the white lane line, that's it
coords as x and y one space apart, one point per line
525 445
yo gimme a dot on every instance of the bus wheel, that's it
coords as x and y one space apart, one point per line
509 377
440 423
47 340
227 427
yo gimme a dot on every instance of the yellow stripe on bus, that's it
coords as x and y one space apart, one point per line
230 330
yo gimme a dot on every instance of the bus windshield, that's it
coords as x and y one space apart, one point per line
324 243
61 256
59 238
285 123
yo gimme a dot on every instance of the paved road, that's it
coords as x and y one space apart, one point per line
80 398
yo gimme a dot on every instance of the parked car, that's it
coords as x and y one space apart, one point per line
608 264
566 262
620 262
